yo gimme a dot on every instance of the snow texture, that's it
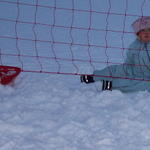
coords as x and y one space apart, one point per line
59 113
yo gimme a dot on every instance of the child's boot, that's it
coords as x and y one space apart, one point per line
87 79
106 85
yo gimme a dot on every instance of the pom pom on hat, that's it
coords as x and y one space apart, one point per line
141 23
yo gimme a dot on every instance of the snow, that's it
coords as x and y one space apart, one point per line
58 112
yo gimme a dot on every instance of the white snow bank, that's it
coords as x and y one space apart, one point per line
49 112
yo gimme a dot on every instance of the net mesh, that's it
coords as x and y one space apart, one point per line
67 37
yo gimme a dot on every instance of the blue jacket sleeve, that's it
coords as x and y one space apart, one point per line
131 52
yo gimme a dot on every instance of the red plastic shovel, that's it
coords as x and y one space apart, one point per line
8 74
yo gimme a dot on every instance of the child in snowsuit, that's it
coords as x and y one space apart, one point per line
134 73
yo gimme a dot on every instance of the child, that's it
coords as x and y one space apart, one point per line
134 73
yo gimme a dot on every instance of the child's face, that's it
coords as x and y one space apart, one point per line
144 35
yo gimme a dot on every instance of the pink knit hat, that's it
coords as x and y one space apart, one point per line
141 23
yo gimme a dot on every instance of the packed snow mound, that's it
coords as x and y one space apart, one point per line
52 112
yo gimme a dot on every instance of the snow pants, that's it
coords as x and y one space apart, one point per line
122 79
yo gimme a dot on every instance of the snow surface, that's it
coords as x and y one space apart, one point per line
53 112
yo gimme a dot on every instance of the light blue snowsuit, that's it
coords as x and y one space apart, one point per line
129 76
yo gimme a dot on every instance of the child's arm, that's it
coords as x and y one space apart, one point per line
129 58
130 55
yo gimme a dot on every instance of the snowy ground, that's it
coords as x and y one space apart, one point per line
49 112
